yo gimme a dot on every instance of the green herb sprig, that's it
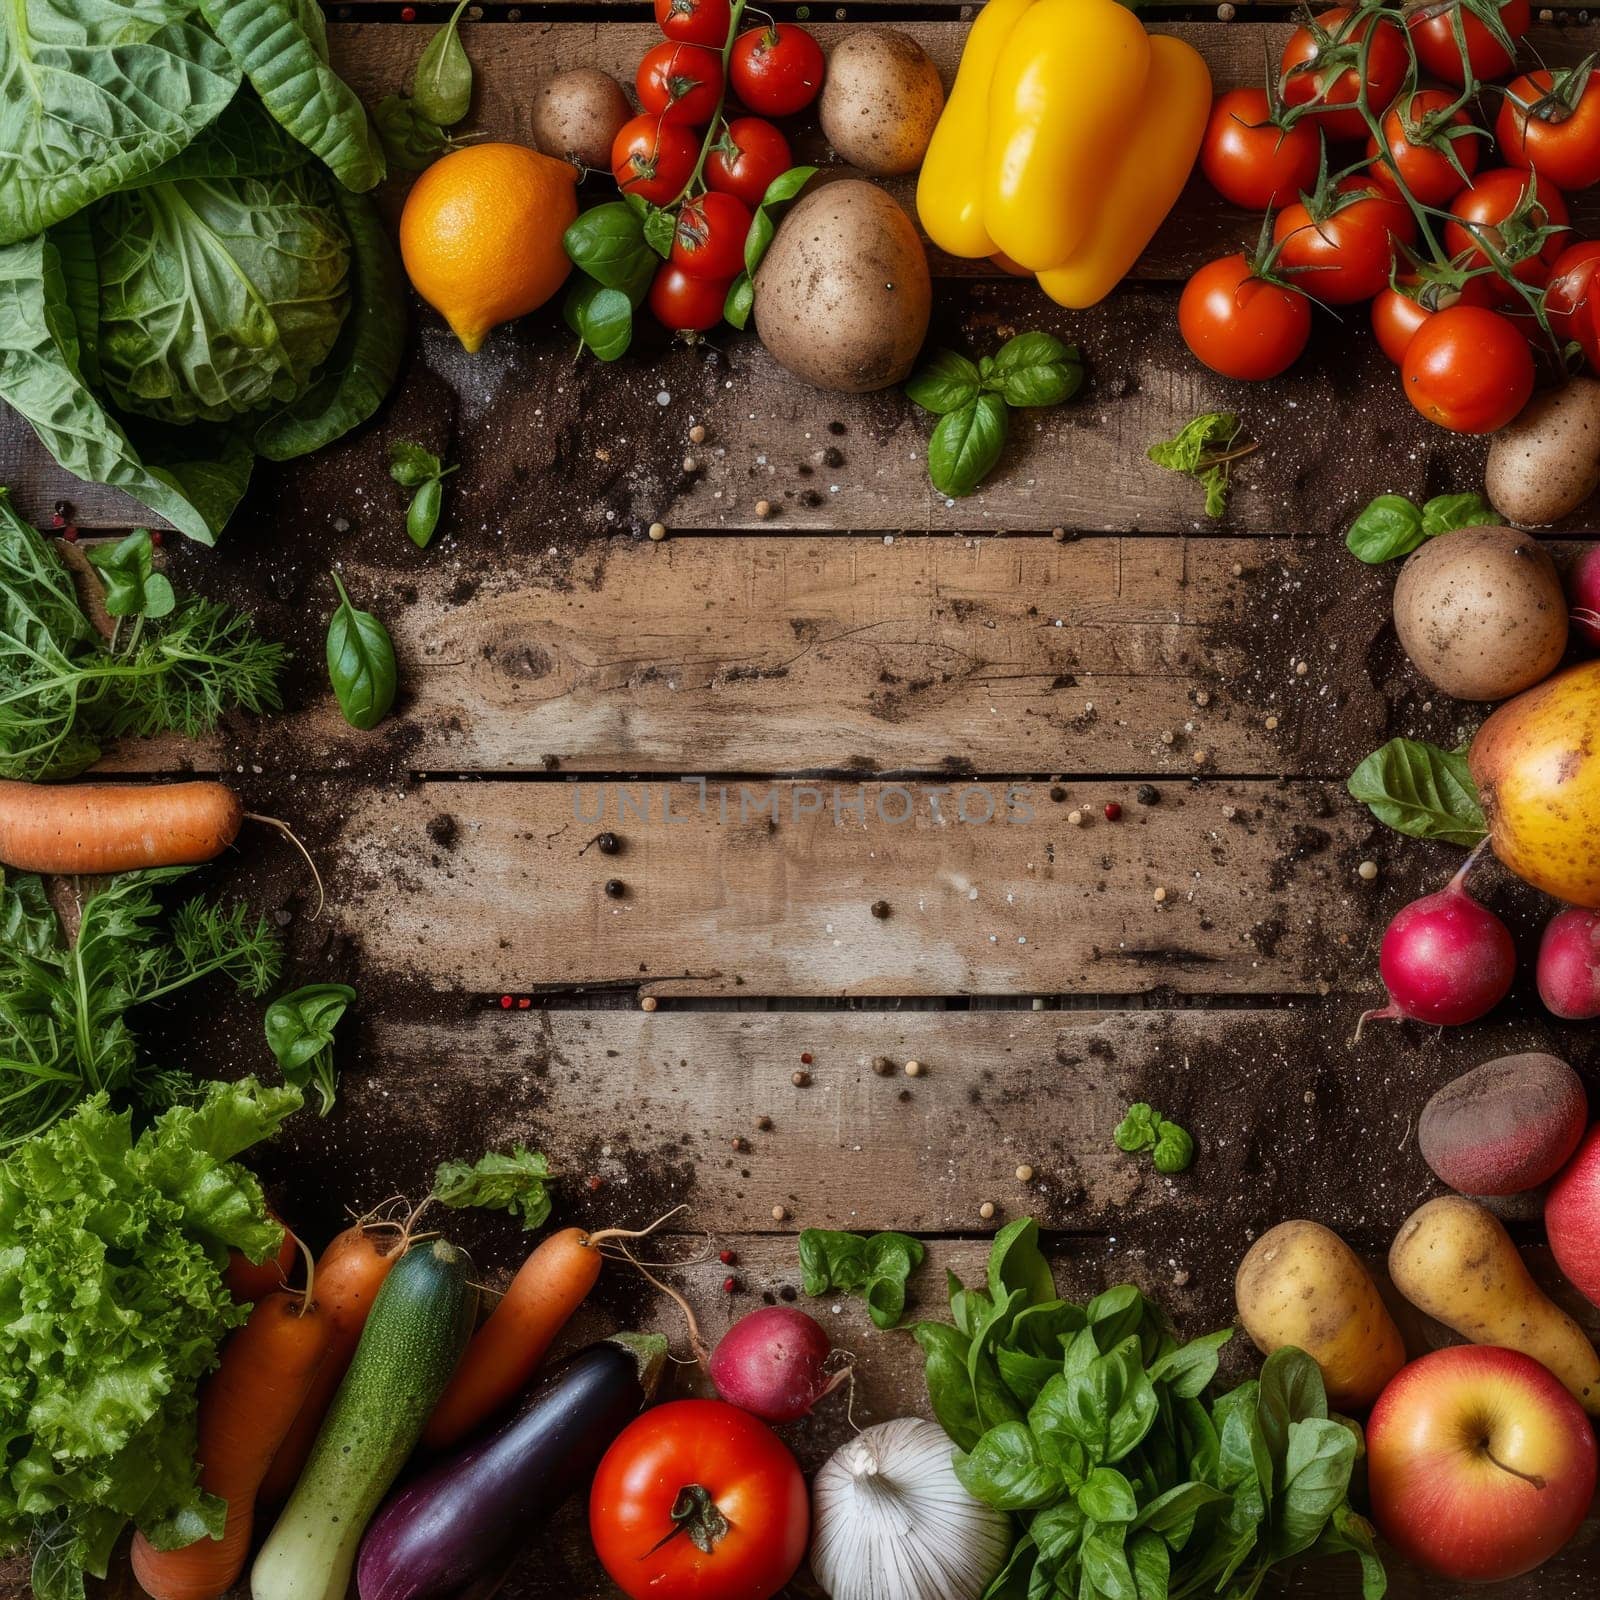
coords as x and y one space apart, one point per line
361 664
1205 449
1421 791
299 1030
1144 1128
420 470
1391 526
875 1268
518 1183
415 127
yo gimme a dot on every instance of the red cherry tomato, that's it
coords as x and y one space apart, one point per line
653 158
748 156
685 304
697 1500
1321 65
776 70
1510 206
1346 255
694 21
1249 159
1239 324
1468 369
1572 300
709 239
1537 129
1433 38
1398 311
1424 167
680 82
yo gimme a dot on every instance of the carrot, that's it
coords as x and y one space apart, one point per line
246 1407
350 1272
549 1286
114 827
249 1280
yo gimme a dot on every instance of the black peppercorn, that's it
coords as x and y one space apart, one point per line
880 909
608 844
615 888
1147 794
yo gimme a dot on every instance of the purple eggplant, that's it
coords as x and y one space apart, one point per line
450 1533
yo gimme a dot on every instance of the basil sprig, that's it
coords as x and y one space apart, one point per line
875 1268
1392 526
361 664
415 468
133 588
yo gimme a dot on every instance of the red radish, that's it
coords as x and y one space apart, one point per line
773 1363
1445 959
1572 1217
1583 596
1569 965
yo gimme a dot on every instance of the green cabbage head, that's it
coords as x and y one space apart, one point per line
219 296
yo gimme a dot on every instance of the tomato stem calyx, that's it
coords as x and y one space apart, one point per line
696 1514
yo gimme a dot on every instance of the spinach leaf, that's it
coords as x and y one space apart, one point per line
361 664
966 444
300 1035
1421 791
1205 449
1143 1128
133 588
518 1183
875 1267
741 293
1139 1128
442 87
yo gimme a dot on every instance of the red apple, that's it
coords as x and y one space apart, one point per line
1572 1217
1479 1462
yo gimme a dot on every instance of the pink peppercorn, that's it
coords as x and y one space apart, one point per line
727 1257
1113 811
505 1002
408 13
729 1285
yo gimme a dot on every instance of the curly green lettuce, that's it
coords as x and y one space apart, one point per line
112 1309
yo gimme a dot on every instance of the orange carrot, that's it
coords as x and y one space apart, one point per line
549 1286
246 1407
349 1274
249 1280
114 827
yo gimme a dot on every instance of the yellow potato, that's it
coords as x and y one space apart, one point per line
1536 762
1454 1260
1301 1284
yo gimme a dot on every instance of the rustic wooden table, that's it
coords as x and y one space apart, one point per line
868 644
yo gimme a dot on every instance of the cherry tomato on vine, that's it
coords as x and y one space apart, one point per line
685 304
695 21
1321 66
1345 254
748 156
653 158
1509 207
776 70
1553 127
1249 159
1433 38
1468 369
680 82
1238 323
709 239
697 1500
1425 168
1572 297
1399 310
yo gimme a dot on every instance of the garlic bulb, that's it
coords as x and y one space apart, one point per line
893 1522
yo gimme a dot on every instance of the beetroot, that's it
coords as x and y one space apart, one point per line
773 1364
1445 959
1569 965
1583 596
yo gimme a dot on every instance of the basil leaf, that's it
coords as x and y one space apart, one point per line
966 445
422 515
1174 1151
608 243
660 229
1390 526
361 664
1421 791
1036 369
410 141
410 464
944 1354
1138 1130
1447 512
740 302
442 88
780 191
1005 1470
1016 1262
133 588
601 317
299 1029
944 383
876 1268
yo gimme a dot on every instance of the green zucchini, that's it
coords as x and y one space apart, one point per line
414 1336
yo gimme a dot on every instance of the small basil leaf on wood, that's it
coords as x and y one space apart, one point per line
361 664
1421 791
966 444
133 588
945 382
1036 369
876 1268
1444 513
1389 527
442 88
518 1183
299 1030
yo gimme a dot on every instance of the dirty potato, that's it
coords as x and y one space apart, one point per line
1301 1284
880 101
1481 613
1547 462
843 296
577 114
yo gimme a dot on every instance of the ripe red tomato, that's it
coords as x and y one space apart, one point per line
1398 311
1344 255
1571 299
709 239
1239 324
1468 369
1249 159
1537 129
776 70
1509 206
695 21
1321 65
1424 167
1433 38
680 82
653 158
685 304
748 156
697 1500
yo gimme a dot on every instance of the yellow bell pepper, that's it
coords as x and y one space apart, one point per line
1067 137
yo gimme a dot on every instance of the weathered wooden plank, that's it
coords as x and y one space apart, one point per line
488 887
